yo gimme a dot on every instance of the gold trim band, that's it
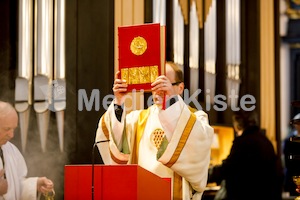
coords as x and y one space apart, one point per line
104 128
140 75
185 135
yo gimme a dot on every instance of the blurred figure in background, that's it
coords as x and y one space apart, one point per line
14 185
291 150
252 170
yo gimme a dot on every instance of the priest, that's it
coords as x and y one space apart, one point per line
171 141
14 183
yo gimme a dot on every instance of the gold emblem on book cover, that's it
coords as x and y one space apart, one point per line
157 137
138 46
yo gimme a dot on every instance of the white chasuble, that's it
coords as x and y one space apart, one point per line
184 154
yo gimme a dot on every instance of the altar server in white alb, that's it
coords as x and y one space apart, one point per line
14 185
172 143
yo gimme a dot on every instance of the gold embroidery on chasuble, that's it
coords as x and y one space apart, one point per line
193 110
177 187
106 133
182 141
157 137
117 160
104 128
141 124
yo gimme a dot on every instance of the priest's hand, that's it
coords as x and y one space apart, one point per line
120 89
3 183
44 185
160 87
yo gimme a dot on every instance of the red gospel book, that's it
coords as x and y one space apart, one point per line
141 54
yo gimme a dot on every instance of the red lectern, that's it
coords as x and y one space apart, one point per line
112 182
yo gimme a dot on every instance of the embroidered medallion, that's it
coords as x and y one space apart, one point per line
157 137
138 46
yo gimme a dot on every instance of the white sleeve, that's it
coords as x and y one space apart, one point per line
29 189
117 126
109 128
188 152
170 116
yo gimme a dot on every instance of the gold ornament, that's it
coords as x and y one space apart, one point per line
49 195
153 73
134 75
157 137
124 74
296 180
144 75
138 46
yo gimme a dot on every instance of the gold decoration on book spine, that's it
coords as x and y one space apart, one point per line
139 75
138 46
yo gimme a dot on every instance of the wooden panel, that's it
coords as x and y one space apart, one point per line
267 78
118 22
127 12
138 10
93 58
225 137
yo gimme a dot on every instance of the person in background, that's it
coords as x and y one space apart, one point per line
252 170
291 150
14 185
171 143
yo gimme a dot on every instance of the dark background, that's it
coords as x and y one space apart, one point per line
90 66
